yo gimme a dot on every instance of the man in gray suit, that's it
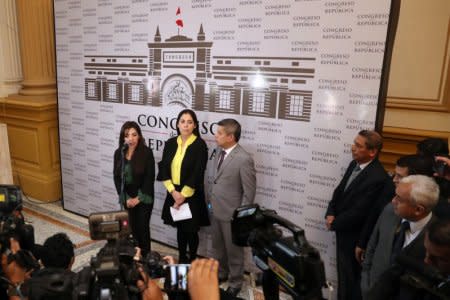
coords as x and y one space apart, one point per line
234 184
415 197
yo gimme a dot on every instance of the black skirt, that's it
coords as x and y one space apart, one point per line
197 205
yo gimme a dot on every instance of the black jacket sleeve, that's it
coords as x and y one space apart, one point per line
385 197
166 160
117 179
194 164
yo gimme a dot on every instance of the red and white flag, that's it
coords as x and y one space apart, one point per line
179 21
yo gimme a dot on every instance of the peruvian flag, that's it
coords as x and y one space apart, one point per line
179 21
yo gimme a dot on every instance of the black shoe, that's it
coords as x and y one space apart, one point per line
233 291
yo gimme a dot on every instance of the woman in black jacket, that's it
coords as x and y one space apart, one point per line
139 178
182 170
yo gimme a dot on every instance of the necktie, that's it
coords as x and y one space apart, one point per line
222 156
355 173
399 240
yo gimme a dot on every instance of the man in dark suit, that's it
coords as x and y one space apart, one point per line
437 245
415 197
234 184
350 207
405 165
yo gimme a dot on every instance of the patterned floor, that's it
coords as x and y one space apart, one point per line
50 218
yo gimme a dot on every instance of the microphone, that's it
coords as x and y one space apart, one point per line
125 146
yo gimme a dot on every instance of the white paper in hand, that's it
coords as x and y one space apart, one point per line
182 213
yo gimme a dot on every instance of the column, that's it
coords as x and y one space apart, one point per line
37 46
31 115
10 68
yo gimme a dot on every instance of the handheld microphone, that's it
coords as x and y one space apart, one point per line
125 145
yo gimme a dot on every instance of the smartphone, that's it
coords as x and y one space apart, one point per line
176 277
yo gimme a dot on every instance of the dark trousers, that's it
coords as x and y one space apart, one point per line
139 217
349 270
185 238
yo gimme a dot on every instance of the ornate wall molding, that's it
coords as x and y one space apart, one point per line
420 73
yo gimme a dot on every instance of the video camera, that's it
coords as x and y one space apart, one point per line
289 261
12 225
12 222
10 199
113 273
423 278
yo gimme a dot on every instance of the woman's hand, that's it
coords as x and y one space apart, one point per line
132 202
179 199
169 259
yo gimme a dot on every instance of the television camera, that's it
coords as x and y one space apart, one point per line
12 222
113 273
289 261
12 225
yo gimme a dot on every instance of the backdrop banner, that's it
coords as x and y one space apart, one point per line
301 76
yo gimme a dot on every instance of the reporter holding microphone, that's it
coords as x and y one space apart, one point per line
134 178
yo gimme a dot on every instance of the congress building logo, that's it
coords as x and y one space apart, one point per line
182 71
178 91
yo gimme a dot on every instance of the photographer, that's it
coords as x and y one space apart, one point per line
55 279
58 252
17 266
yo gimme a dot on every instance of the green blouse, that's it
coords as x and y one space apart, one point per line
144 198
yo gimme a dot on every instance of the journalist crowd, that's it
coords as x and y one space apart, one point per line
392 230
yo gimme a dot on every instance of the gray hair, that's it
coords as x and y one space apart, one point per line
424 190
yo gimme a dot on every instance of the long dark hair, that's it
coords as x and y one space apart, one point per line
194 118
137 160
125 127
